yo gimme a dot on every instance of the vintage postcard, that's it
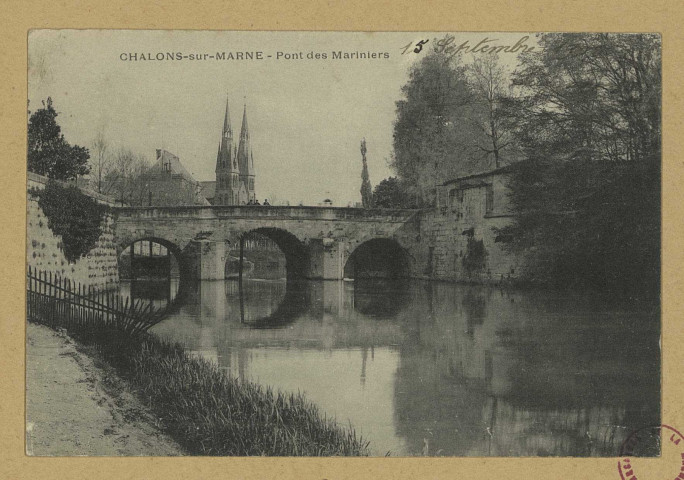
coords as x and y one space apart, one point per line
402 244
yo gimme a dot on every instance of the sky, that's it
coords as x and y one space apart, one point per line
306 116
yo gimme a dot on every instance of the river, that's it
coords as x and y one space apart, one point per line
422 368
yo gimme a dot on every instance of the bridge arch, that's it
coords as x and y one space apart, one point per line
295 251
171 247
378 258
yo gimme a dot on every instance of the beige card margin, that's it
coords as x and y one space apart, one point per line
501 15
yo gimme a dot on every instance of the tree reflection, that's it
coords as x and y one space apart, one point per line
526 378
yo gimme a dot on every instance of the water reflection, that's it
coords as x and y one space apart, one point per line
421 368
159 293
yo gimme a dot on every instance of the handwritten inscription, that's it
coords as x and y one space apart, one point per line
418 47
447 46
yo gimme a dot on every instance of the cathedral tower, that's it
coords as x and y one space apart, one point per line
227 168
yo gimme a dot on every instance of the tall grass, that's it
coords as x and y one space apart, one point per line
210 413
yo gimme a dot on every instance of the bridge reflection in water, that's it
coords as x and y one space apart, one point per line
438 369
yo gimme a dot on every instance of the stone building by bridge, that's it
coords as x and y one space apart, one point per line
170 184
461 233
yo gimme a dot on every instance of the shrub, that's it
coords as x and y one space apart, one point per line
76 217
474 259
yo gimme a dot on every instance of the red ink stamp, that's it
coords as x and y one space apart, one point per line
662 440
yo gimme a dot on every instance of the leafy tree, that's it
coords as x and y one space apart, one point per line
434 139
49 153
389 193
587 196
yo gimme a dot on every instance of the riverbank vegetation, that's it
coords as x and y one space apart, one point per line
578 117
210 413
206 411
586 196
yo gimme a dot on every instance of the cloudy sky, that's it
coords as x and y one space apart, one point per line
306 116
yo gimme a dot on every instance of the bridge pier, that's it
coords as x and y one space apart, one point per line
209 260
326 259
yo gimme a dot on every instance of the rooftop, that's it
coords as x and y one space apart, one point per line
168 162
504 169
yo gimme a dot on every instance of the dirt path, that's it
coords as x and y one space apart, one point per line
75 407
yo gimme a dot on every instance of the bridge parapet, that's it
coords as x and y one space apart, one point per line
268 212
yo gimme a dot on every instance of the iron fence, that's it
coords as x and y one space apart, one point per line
61 303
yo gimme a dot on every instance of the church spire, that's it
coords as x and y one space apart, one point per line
244 149
245 129
245 160
225 158
227 130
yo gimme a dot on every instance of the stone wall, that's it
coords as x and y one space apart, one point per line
469 210
98 268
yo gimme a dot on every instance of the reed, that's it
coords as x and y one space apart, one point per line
210 413
203 409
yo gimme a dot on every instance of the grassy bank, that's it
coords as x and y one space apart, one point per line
210 413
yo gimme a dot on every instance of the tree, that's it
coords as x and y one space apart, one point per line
49 153
597 95
139 181
366 190
128 178
493 116
434 140
389 193
587 196
101 161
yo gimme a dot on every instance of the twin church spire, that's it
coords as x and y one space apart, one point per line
234 165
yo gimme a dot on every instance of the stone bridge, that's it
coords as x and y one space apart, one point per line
318 242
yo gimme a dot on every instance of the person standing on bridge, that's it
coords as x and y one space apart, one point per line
266 202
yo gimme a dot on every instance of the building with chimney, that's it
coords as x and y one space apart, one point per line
235 176
167 183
